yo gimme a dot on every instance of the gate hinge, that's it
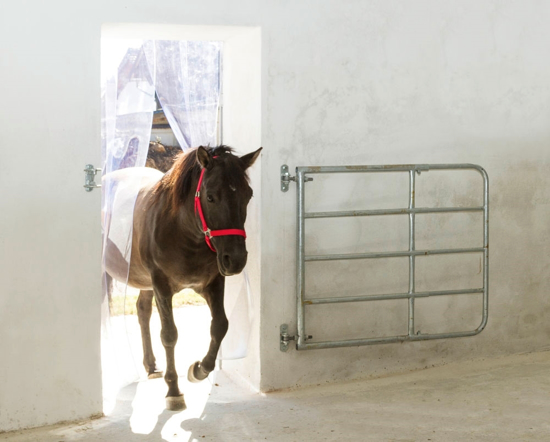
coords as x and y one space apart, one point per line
89 183
286 178
285 338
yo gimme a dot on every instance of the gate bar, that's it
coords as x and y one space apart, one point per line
388 340
300 261
337 257
390 168
347 213
388 296
412 184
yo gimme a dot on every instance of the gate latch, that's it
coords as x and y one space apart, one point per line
89 181
286 178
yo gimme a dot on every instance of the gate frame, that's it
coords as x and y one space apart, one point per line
411 295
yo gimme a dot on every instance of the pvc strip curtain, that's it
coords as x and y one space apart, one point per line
185 76
128 105
188 87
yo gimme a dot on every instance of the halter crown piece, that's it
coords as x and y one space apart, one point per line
208 234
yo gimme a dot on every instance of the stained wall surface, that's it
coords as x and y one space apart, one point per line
359 82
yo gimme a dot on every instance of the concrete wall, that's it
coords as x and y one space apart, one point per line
409 82
50 239
357 82
242 129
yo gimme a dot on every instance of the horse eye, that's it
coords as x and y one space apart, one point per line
209 198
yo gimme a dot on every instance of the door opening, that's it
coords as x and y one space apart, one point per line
143 126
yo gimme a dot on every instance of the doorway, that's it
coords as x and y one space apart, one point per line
143 126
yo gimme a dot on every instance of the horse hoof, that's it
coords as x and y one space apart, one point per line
196 373
175 403
155 375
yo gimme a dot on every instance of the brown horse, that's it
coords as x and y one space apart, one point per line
178 242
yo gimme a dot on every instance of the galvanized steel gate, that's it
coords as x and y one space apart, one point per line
302 301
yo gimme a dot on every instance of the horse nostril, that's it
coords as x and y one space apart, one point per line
226 261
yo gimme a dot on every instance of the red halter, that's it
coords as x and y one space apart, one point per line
207 232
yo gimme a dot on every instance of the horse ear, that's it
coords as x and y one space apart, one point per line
249 159
204 158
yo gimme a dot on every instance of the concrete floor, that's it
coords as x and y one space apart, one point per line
506 399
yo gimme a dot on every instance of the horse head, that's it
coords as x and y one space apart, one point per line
221 201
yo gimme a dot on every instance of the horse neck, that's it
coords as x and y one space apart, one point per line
186 219
182 222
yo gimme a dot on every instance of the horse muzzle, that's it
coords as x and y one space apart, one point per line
231 262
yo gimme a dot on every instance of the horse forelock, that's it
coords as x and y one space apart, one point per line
180 181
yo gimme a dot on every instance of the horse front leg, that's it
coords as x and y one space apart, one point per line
213 294
144 306
169 336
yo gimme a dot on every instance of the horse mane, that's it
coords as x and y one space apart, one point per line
178 183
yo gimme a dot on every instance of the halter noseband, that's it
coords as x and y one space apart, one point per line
207 232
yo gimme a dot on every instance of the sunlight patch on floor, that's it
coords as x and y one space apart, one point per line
149 403
196 398
122 351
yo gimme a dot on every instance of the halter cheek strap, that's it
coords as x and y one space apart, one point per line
208 234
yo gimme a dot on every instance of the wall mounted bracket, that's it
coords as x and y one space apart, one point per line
285 338
286 178
89 180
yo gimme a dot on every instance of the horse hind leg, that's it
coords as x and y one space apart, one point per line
144 309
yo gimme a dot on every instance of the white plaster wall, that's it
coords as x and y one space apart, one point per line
49 226
356 82
410 82
242 129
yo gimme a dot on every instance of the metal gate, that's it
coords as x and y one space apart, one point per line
303 340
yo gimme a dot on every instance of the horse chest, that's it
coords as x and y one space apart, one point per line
187 268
